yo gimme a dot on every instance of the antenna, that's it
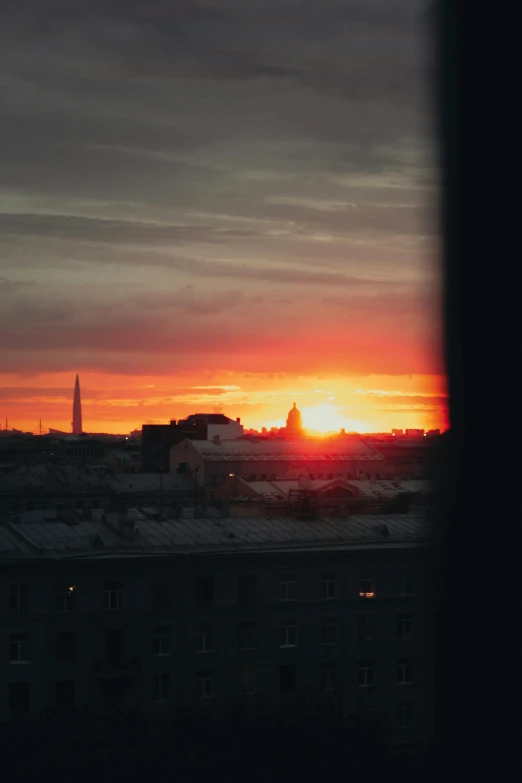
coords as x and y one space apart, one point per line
217 409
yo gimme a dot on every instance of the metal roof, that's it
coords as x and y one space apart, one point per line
282 450
47 536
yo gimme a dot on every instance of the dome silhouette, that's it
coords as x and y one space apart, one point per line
294 421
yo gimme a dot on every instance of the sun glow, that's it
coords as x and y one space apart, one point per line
327 418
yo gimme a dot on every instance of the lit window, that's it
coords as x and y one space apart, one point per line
161 641
366 586
161 687
113 596
404 672
404 626
287 588
65 598
204 639
327 587
204 685
288 634
328 632
19 648
366 674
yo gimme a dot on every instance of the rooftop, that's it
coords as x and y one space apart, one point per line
304 449
40 534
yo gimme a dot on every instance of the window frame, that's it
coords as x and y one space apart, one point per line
160 633
203 632
287 584
404 671
22 642
247 628
203 678
158 687
326 580
328 623
113 593
20 593
365 667
287 626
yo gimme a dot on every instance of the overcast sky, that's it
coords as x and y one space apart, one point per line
217 189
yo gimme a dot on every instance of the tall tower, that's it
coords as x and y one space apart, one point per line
77 409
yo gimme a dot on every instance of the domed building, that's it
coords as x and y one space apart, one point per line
294 423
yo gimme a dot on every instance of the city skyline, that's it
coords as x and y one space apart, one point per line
213 205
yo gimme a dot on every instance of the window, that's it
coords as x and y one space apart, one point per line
366 674
161 687
161 640
247 682
404 672
366 586
19 648
246 636
328 675
247 589
287 588
327 587
160 595
65 694
65 598
405 586
328 631
18 699
113 643
66 645
288 634
204 639
404 626
404 715
113 596
287 678
204 685
204 591
366 628
18 599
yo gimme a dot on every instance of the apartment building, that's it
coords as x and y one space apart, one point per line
122 609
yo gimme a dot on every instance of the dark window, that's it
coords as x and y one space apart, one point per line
65 694
287 678
160 595
404 672
366 674
405 586
204 685
66 645
19 651
114 691
113 596
161 641
328 631
18 599
404 715
205 591
204 638
404 626
327 587
366 628
247 589
328 675
113 639
247 681
65 598
18 699
287 587
246 636
161 687
288 634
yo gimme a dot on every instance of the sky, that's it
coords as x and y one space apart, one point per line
219 205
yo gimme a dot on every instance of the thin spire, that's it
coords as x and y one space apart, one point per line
77 426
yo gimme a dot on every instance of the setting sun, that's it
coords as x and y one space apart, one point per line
327 418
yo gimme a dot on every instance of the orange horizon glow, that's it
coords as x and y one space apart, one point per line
119 404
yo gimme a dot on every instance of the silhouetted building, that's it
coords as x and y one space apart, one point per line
157 439
202 613
294 423
77 426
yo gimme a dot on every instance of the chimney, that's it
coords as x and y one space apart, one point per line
238 420
119 521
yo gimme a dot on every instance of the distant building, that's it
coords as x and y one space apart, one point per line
77 424
414 433
157 439
294 423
